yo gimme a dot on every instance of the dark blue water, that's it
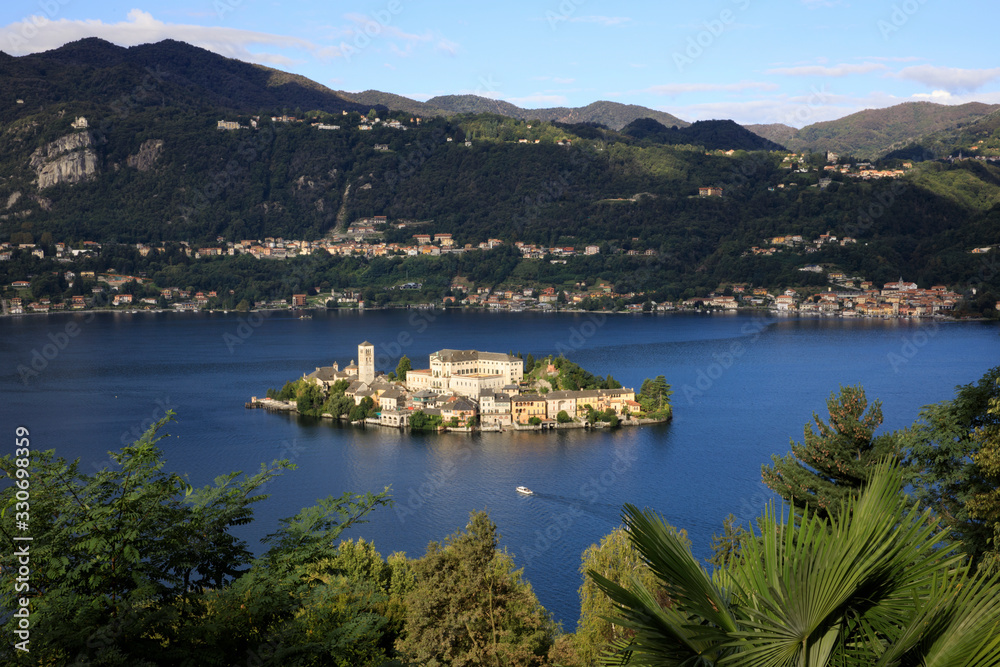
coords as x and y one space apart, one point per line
744 387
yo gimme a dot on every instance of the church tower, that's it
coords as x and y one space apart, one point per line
366 362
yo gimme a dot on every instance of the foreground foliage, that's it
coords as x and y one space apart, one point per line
834 460
950 464
875 584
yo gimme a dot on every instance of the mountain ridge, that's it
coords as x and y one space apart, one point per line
872 133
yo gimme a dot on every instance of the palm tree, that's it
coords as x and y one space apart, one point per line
878 584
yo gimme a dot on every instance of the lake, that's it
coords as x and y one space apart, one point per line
745 385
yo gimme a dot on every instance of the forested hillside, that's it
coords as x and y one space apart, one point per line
154 167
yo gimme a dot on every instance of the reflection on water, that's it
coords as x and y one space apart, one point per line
744 386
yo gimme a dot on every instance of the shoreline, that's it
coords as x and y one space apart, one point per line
773 314
274 405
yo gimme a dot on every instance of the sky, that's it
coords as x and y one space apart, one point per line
786 61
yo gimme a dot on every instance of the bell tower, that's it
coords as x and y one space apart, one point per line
366 362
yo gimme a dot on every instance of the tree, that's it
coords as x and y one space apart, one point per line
617 560
124 558
875 583
563 417
941 468
535 421
470 606
402 367
835 459
984 506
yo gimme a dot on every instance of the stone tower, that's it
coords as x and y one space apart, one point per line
366 362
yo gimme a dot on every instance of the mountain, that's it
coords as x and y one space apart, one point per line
874 132
392 101
712 134
980 137
610 114
153 164
165 73
779 133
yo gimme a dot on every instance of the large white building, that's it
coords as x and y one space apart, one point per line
466 372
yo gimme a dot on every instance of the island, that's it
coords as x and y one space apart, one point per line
467 390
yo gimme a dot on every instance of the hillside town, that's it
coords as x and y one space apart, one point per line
465 389
849 296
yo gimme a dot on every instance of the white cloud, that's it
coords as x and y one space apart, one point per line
834 71
937 96
538 100
951 79
673 89
141 28
447 46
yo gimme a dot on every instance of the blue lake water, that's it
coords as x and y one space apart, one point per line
744 387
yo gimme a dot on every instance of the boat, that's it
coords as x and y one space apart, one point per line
525 490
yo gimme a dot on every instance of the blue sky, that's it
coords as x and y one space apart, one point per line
792 61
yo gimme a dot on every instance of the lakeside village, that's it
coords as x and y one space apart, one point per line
466 390
848 296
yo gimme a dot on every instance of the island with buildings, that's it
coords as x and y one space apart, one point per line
468 390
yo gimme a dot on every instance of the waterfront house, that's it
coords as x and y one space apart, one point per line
526 406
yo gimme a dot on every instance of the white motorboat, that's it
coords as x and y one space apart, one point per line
525 490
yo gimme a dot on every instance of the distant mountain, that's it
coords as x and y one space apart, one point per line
776 132
874 132
712 134
93 70
980 137
610 114
394 102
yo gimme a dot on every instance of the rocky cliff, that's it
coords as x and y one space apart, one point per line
68 159
147 156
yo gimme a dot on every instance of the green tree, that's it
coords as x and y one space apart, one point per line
134 566
402 367
726 547
939 453
617 560
563 417
874 583
470 606
835 459
984 505
529 364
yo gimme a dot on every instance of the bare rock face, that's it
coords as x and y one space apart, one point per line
13 199
147 156
68 159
